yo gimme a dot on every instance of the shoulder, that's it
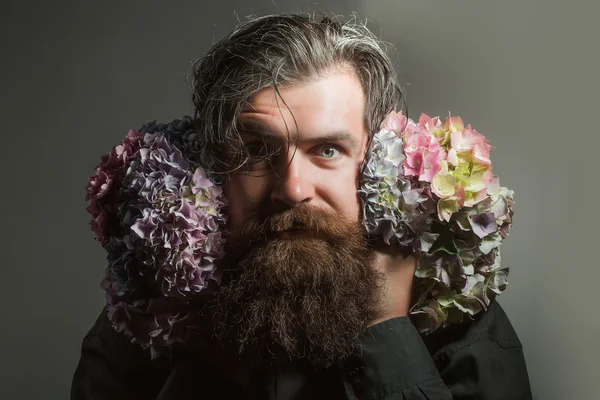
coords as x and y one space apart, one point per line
482 359
491 326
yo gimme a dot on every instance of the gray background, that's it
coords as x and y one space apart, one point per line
76 75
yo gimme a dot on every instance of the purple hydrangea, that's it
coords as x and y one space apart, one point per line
166 237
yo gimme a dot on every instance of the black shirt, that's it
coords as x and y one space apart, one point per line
478 360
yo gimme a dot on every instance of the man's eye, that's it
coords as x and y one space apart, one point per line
256 150
260 155
329 151
260 150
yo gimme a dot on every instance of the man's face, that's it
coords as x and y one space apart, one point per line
297 280
319 152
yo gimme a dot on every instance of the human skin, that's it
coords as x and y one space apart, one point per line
317 164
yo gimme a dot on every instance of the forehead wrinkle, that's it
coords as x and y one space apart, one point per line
257 129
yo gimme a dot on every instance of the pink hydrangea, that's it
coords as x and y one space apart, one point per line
445 182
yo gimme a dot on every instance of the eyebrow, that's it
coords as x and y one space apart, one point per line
256 129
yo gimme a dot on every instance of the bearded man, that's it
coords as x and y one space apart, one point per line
308 307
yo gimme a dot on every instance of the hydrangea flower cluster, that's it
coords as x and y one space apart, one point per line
158 215
428 187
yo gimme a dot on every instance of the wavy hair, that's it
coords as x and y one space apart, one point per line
274 50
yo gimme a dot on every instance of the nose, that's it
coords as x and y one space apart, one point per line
294 182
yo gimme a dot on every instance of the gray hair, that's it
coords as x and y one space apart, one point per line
269 51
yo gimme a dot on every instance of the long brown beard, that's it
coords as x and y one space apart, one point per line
303 298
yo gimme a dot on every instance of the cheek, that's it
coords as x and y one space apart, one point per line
340 191
245 194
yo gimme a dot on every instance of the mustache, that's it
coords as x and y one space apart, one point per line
315 221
